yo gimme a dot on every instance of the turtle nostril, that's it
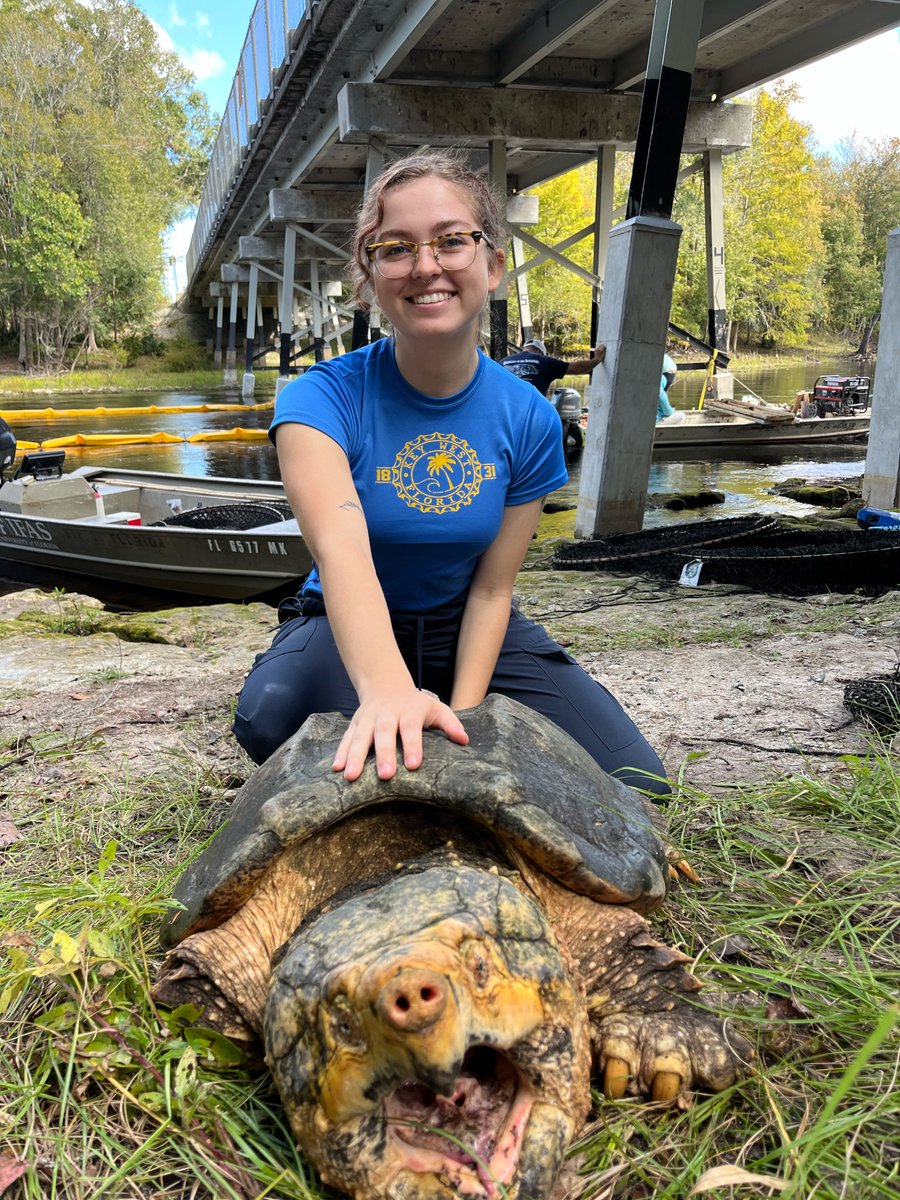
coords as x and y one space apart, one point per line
413 1001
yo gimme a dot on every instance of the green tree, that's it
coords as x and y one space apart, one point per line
560 301
773 234
93 114
862 206
851 280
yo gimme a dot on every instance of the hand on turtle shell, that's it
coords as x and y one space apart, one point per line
402 711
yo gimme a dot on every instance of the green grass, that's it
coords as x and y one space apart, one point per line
796 919
133 379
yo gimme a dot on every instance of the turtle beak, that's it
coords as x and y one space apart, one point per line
416 1008
414 1027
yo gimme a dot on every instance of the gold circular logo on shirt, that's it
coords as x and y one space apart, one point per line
437 473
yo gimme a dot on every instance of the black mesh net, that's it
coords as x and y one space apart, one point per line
244 515
756 552
662 543
876 701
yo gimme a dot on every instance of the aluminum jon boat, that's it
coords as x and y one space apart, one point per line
148 533
700 428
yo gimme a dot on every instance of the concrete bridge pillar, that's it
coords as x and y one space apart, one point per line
518 260
220 313
881 482
603 219
643 252
714 206
319 349
499 304
636 300
230 377
332 292
286 308
363 326
254 317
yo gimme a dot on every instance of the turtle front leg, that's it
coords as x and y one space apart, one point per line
650 1034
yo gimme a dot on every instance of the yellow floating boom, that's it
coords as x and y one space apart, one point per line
49 414
143 439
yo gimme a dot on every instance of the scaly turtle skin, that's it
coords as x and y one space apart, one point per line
436 964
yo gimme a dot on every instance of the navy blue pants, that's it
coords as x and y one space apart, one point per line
301 673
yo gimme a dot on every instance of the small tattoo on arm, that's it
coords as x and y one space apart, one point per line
350 504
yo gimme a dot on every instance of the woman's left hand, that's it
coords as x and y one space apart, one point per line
378 722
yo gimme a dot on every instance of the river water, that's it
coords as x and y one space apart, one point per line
745 480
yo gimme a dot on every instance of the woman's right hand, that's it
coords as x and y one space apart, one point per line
404 711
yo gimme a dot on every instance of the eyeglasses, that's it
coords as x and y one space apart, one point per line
452 251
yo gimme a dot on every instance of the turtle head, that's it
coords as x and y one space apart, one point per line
428 1041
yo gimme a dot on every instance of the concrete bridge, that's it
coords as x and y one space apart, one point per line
327 90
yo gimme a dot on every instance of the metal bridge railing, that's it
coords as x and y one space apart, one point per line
271 33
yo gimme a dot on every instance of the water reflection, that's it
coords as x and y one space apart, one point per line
252 460
746 482
744 477
777 384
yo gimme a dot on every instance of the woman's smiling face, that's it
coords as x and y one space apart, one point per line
430 301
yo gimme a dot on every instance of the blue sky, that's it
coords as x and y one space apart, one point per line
207 37
865 103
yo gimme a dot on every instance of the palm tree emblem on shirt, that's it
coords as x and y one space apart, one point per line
442 462
438 473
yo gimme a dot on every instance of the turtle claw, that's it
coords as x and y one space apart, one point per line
615 1078
661 1056
666 1087
680 868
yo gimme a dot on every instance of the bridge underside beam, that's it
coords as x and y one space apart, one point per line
547 121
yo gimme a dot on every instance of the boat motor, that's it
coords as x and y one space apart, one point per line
7 448
567 402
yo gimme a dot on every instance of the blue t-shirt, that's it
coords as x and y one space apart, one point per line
539 369
433 475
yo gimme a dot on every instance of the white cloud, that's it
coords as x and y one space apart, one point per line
163 37
201 21
205 64
855 93
175 17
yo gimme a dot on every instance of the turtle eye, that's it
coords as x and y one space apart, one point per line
478 965
344 1023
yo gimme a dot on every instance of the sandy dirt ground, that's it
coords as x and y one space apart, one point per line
729 686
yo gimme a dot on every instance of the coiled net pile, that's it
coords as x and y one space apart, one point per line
242 515
876 701
759 552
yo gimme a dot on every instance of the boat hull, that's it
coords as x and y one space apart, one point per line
696 430
204 563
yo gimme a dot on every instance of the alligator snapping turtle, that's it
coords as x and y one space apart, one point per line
435 963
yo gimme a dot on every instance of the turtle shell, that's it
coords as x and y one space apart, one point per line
520 776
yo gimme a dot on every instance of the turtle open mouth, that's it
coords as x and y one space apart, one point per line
470 1137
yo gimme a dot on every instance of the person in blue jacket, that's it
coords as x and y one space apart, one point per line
416 467
664 408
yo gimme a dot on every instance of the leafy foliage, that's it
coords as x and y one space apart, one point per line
805 237
98 158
